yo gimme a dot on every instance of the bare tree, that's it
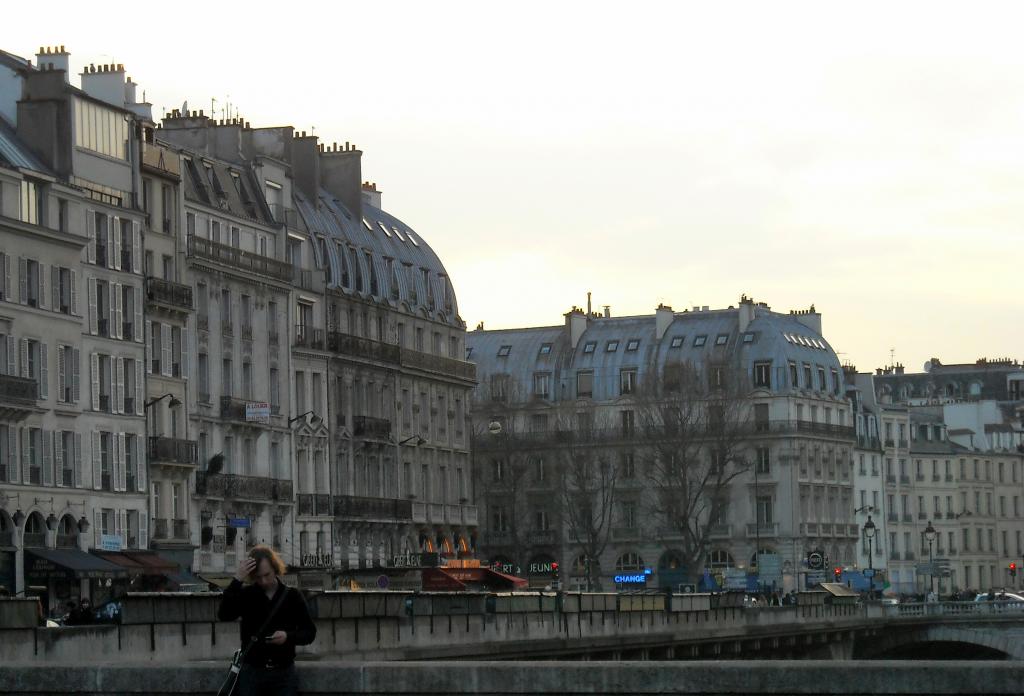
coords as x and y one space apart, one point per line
695 426
588 478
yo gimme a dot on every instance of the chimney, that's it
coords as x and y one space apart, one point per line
663 317
53 58
106 83
341 173
576 323
607 311
306 160
371 195
809 318
746 313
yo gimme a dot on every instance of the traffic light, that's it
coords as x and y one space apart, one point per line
554 576
837 573
1013 570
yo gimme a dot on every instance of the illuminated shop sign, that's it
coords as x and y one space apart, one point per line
631 579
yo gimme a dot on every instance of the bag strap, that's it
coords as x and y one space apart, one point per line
270 617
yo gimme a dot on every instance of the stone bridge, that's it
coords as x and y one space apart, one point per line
397 626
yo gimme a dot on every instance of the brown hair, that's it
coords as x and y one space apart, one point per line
262 551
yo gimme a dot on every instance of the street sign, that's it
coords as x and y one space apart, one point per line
868 572
110 542
815 560
239 522
735 579
383 581
769 569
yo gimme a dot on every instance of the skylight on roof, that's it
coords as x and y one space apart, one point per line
632 344
545 348
384 228
677 341
721 339
398 234
748 337
698 341
367 225
411 238
504 351
611 346
589 346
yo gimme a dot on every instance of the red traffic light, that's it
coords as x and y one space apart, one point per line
554 566
837 571
1013 566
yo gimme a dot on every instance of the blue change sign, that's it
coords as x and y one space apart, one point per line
638 578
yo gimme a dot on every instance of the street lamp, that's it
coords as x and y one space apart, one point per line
869 534
930 534
174 401
314 421
419 441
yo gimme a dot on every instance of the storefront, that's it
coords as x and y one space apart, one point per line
61 572
150 572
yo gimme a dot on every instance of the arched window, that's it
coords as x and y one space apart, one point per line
629 561
764 550
719 558
67 532
35 531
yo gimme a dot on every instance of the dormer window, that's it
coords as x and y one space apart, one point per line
589 347
748 337
677 341
504 351
611 346
721 339
545 349
632 344
699 341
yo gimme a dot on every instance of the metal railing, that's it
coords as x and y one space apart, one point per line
180 528
234 410
245 487
168 449
167 293
19 391
309 337
244 260
357 347
314 503
160 529
438 363
359 507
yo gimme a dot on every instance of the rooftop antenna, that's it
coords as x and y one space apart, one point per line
213 104
588 303
892 357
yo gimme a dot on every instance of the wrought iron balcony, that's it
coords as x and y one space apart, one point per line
449 367
173 295
313 503
160 529
309 337
236 258
243 487
18 396
356 347
351 506
180 529
368 426
173 451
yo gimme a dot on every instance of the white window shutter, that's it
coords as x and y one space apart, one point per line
58 457
143 530
122 461
12 454
78 460
120 527
139 381
62 374
149 347
94 316
55 287
94 372
22 280
140 457
44 372
118 395
76 394
41 275
74 292
165 350
137 248
97 464
119 307
26 461
90 232
12 350
114 248
7 277
45 441
24 358
112 316
97 524
184 352
137 329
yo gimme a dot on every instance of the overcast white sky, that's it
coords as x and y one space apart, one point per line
865 158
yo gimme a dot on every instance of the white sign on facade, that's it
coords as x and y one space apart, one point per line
257 412
110 542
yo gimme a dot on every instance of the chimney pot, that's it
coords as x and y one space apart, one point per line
62 48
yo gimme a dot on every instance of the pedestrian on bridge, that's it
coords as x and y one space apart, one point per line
274 620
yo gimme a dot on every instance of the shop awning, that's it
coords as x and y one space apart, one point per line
221 581
138 562
69 563
185 581
455 579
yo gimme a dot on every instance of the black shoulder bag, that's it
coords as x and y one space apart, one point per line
231 683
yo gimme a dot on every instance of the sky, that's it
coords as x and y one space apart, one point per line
864 158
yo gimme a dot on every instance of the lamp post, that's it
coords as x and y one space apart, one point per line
869 534
930 534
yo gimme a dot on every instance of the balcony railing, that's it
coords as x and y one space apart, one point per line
237 258
765 529
419 512
243 487
17 392
180 528
313 503
169 293
167 449
542 536
160 529
357 347
309 337
438 363
625 533
351 506
233 409
368 426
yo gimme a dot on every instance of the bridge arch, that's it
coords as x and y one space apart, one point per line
988 637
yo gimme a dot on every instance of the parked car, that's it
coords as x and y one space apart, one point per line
1000 597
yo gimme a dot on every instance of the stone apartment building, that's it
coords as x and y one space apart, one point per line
551 396
195 287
